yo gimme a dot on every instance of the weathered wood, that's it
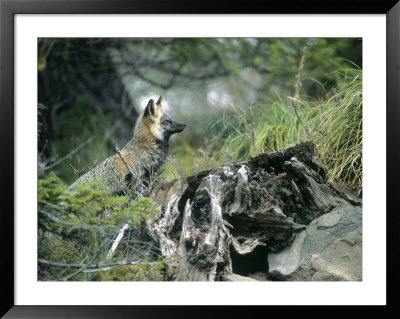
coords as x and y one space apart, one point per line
239 206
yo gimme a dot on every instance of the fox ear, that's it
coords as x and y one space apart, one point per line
150 109
159 100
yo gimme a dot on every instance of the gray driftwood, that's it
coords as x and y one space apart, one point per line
239 206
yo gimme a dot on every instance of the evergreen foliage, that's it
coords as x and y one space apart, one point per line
79 229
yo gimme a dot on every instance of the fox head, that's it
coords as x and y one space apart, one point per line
159 122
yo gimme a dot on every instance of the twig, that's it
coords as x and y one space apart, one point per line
124 161
84 266
117 241
298 76
68 155
73 274
75 225
169 168
298 116
93 265
297 86
174 163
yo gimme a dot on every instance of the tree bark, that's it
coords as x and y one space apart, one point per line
235 208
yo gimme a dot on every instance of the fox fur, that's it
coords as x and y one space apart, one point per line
143 155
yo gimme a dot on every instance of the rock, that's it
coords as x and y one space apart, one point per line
287 261
260 276
328 220
341 261
330 249
235 277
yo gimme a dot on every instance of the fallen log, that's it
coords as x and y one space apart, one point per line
228 218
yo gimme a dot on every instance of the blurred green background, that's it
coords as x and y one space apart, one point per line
238 97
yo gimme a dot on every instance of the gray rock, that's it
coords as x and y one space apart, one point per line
330 249
287 261
341 260
259 276
328 220
235 277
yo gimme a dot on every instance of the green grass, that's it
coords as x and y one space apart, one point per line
263 128
340 138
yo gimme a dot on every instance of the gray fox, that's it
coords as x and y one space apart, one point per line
141 157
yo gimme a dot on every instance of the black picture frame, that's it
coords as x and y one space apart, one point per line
8 10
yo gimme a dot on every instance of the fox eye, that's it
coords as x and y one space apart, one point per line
166 122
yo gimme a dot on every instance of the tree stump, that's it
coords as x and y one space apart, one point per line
248 208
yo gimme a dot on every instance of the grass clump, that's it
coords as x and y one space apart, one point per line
334 125
339 138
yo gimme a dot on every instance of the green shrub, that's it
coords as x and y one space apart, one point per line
80 228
